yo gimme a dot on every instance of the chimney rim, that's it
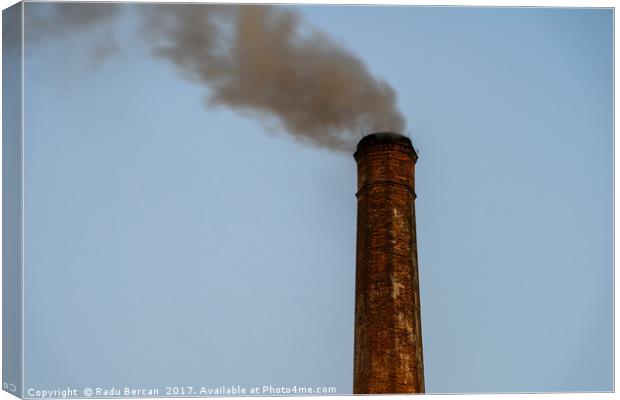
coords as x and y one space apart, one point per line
385 138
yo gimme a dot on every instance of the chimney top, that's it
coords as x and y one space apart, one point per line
385 138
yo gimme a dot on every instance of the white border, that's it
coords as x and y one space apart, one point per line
475 3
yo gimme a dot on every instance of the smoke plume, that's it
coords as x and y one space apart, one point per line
92 21
257 59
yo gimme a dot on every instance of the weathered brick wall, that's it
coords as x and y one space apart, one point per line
388 337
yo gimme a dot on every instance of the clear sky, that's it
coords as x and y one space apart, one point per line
168 243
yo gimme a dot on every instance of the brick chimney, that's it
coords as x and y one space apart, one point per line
388 334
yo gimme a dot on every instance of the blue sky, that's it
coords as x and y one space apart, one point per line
171 242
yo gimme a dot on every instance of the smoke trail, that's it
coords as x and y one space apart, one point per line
258 59
48 21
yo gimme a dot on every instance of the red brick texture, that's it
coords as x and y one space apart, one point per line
388 335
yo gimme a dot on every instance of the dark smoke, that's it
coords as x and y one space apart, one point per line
48 21
257 59
261 60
